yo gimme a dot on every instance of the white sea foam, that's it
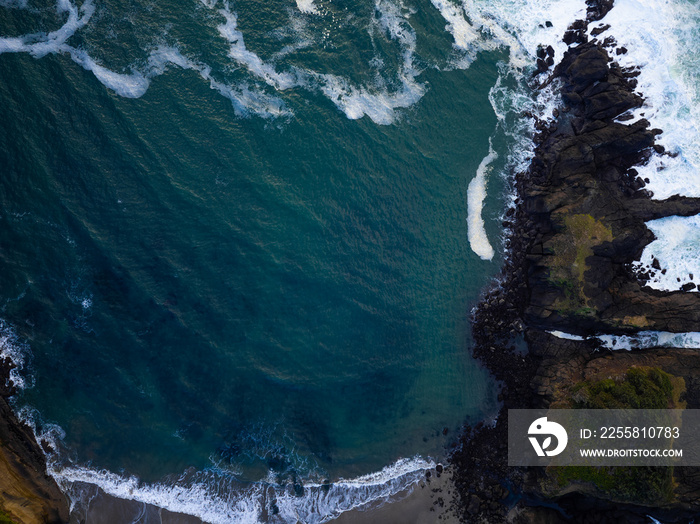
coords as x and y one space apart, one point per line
246 100
378 102
307 6
241 506
320 504
565 336
640 340
663 39
215 499
512 103
378 105
466 36
238 52
41 44
677 249
13 349
129 86
136 83
475 28
527 21
51 434
519 25
476 193
650 339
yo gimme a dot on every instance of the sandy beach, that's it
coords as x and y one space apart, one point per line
426 503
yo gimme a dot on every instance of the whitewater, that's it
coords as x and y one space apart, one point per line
661 38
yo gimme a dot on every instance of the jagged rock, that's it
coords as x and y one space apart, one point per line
588 67
587 172
578 223
598 30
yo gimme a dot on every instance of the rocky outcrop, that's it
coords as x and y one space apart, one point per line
587 208
28 495
578 224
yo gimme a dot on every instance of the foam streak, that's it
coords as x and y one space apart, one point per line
640 340
217 499
677 251
661 38
476 193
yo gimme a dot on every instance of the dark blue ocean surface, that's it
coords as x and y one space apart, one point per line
235 237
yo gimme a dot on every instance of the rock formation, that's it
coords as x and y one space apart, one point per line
578 224
587 207
28 495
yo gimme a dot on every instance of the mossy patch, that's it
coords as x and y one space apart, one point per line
637 388
638 322
6 518
570 248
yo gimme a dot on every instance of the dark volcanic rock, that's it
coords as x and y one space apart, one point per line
583 192
587 67
578 224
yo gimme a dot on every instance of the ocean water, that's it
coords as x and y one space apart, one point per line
640 340
240 241
662 41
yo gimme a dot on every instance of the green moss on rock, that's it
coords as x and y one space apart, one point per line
636 388
570 248
5 518
639 388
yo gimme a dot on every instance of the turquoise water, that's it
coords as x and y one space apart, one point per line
278 290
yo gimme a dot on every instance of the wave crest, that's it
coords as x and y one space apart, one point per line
217 498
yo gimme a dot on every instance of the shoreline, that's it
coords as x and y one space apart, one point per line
424 502
30 494
577 226
525 304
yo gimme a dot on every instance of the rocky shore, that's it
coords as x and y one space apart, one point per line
577 227
28 495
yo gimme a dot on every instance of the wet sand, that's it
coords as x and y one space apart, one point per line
426 503
101 508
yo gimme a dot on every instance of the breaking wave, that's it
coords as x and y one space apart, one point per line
217 498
